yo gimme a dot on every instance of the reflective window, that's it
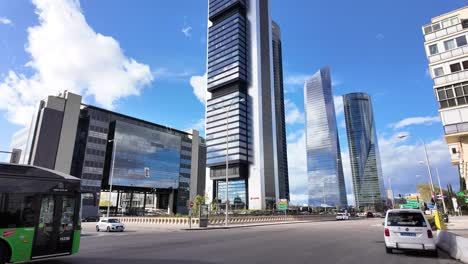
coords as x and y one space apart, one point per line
140 150
461 41
433 49
438 71
449 44
16 210
237 193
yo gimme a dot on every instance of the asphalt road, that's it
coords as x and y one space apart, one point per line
359 241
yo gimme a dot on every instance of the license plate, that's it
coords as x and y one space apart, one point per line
408 234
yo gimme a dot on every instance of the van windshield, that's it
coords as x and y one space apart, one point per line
406 219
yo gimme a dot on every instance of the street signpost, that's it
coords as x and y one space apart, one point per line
283 205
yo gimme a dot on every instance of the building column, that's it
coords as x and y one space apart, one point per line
171 202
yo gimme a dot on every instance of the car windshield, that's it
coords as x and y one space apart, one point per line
113 221
406 219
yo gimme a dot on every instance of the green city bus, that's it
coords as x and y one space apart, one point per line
39 213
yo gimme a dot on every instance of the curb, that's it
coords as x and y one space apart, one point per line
253 225
456 246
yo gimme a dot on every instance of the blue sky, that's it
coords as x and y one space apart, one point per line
371 46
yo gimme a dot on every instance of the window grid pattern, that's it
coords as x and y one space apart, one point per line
452 95
324 167
364 152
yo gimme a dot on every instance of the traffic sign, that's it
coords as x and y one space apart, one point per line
283 205
409 206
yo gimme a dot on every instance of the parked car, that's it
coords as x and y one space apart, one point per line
369 214
342 216
408 229
109 224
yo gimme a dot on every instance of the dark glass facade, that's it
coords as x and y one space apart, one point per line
237 193
281 143
145 157
326 186
228 106
93 156
363 151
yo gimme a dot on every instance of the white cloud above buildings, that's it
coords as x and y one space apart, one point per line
5 21
419 120
198 84
67 54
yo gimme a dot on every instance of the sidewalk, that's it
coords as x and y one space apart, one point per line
454 240
458 225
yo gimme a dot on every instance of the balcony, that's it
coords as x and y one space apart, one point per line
443 32
449 54
449 78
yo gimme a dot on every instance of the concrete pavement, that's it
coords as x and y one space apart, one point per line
316 242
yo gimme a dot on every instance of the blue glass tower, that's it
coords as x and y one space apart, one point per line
326 186
364 152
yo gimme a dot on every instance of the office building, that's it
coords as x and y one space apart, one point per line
281 143
369 192
241 91
326 186
445 42
152 167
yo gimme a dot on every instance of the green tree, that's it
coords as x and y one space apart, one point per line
199 200
214 205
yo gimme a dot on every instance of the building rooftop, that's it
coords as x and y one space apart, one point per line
462 12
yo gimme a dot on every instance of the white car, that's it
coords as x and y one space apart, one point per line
342 216
109 225
408 229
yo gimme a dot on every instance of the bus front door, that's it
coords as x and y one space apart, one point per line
54 232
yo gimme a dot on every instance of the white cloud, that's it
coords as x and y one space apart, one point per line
420 120
295 79
198 84
293 136
297 167
187 30
399 159
293 114
199 125
338 101
5 21
67 54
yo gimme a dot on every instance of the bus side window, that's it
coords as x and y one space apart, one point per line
16 209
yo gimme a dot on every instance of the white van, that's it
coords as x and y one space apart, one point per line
408 229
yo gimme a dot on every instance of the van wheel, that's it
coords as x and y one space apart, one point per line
4 254
389 250
97 228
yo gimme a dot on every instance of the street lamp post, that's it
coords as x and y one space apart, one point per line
441 193
428 165
111 177
227 109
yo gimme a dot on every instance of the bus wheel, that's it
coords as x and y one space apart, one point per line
4 256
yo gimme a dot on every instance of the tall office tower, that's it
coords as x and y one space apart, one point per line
240 86
445 42
281 143
368 182
326 186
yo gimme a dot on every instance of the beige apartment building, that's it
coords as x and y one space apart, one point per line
445 42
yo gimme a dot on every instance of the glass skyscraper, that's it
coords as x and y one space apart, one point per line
281 144
241 105
326 185
364 151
